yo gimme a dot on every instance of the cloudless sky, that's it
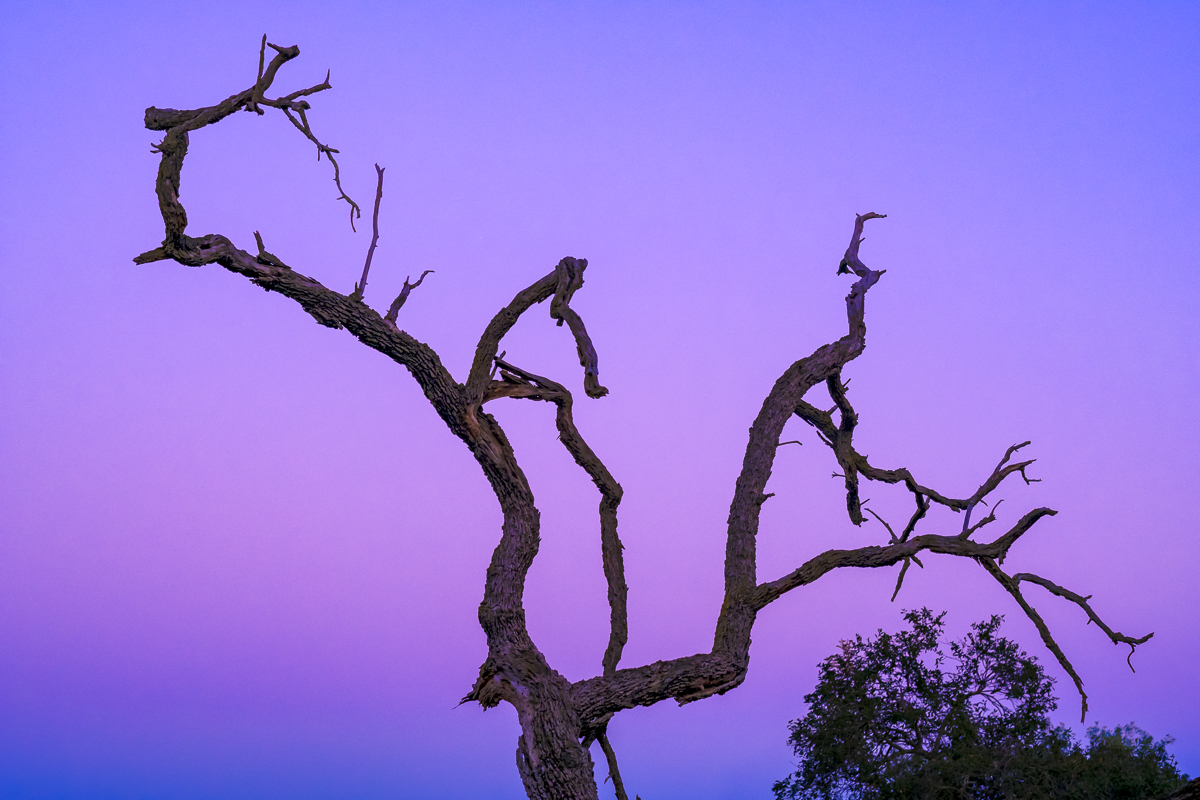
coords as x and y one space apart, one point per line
240 556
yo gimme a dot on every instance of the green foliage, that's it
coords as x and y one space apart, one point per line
899 717
1126 763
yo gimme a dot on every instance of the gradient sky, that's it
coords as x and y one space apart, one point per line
240 556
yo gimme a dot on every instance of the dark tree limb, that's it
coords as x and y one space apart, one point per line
560 284
1082 602
489 341
394 309
874 556
180 122
559 719
1043 630
570 280
831 434
613 772
516 382
361 286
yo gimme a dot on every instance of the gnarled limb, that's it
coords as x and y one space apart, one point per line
178 123
559 719
516 382
570 280
1044 630
874 556
702 675
560 284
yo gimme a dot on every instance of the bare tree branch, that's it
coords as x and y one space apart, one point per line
361 286
394 310
169 119
832 435
874 556
1082 602
516 382
1044 630
559 719
613 773
560 284
570 280
489 342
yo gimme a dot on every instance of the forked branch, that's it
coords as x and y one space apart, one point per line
702 675
559 719
180 122
516 382
394 309
1116 636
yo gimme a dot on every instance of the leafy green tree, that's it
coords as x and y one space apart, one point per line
1126 763
902 716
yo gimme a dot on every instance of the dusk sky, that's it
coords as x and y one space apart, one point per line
241 556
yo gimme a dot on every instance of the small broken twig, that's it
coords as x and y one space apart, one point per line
394 309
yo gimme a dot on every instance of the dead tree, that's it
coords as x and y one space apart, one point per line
559 719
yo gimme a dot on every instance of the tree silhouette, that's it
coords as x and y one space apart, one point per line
905 716
560 719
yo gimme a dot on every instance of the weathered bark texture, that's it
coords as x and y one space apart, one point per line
559 719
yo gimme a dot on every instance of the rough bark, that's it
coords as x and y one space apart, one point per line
560 720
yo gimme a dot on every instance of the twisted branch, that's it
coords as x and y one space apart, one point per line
178 123
557 716
570 280
516 382
690 678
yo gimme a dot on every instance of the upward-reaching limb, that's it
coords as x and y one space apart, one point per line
724 667
559 719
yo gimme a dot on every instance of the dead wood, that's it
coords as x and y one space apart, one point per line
560 720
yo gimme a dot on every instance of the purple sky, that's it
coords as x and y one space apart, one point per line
240 556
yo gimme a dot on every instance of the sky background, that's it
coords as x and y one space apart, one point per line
240 556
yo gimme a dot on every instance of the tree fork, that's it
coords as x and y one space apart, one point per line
560 720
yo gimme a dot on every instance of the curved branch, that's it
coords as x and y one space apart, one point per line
1044 630
560 284
489 342
695 677
1081 601
839 439
326 306
732 635
875 556
178 123
334 310
516 382
570 280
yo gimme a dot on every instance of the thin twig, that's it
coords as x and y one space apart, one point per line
900 579
1082 602
361 286
611 756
